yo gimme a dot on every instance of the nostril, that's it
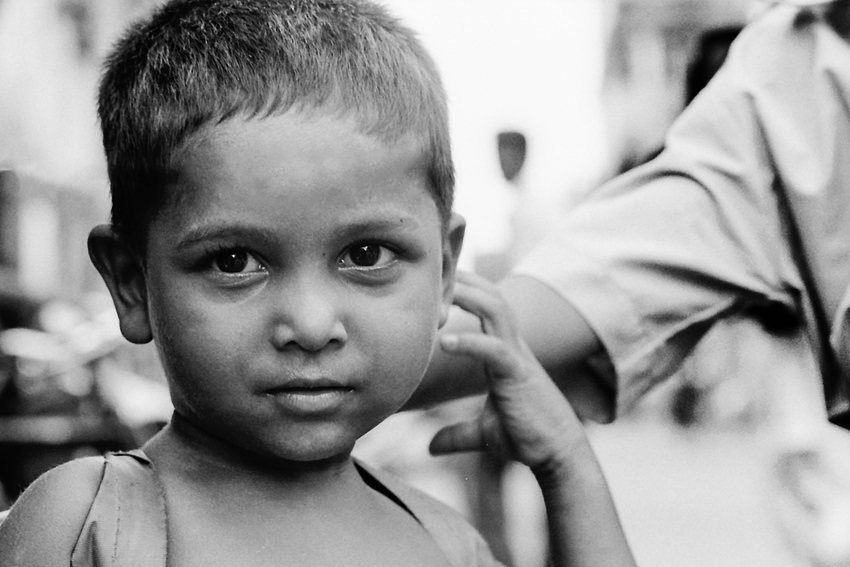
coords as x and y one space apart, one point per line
308 337
308 312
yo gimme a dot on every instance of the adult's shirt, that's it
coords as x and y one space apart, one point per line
746 210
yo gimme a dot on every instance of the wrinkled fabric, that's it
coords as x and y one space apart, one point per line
126 525
745 215
748 207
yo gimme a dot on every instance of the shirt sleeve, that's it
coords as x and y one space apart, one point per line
655 256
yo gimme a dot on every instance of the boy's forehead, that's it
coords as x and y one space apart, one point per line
293 149
313 127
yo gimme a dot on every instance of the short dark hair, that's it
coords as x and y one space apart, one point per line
196 63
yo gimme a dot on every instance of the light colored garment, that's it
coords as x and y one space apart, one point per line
655 257
747 207
127 523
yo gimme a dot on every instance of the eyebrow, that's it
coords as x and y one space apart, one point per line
386 222
383 221
213 230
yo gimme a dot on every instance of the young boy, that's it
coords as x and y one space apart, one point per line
282 230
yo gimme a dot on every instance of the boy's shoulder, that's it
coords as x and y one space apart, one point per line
458 539
55 505
74 512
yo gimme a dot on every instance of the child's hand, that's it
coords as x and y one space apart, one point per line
526 417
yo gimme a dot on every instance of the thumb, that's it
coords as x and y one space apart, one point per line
464 436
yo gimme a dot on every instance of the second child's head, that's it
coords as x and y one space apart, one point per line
281 227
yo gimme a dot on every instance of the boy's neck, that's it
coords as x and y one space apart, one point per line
227 508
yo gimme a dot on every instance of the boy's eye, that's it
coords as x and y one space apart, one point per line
367 255
236 262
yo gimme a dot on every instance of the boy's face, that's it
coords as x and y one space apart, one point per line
295 287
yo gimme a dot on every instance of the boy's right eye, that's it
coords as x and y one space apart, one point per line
236 262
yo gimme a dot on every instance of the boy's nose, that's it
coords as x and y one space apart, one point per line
308 319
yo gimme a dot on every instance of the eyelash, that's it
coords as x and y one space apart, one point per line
211 258
383 248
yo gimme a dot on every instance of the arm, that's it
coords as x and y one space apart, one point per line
43 525
654 257
554 331
527 419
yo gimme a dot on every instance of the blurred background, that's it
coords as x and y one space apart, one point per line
548 99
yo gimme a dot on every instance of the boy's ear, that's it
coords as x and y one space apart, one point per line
123 273
451 252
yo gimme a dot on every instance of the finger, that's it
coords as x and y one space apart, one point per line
500 361
464 436
481 298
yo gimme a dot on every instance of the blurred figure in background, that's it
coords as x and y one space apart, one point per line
745 213
17 308
714 367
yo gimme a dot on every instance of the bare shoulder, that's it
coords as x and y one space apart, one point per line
45 521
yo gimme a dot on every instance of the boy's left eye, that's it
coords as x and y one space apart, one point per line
367 255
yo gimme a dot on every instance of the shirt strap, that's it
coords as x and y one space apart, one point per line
126 524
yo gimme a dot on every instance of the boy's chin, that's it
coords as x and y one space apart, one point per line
306 452
310 459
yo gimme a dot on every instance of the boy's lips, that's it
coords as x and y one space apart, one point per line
309 396
304 383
